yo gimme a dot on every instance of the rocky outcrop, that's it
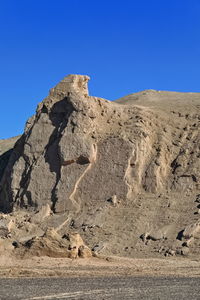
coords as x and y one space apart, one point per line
112 170
79 151
64 156
52 244
6 225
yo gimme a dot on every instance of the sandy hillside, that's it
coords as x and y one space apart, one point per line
124 175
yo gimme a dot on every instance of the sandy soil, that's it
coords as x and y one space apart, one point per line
104 266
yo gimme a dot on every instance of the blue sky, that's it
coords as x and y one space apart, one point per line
125 46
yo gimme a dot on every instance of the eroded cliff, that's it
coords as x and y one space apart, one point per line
118 168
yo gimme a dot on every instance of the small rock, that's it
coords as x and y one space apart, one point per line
113 200
6 225
73 253
99 247
189 242
191 230
197 198
185 251
110 259
84 252
75 240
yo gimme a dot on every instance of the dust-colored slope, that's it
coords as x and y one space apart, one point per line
163 100
7 144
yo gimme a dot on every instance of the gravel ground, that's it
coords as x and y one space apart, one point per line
100 288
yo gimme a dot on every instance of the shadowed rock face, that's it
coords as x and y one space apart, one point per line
6 147
78 151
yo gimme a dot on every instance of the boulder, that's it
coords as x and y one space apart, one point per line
6 225
191 230
52 244
157 234
75 240
84 252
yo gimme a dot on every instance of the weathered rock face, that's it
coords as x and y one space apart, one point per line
112 171
79 151
69 154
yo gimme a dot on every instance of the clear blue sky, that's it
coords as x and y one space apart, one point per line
125 46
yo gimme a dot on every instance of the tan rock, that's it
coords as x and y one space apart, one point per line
84 252
43 213
50 244
191 230
157 234
185 251
75 240
6 225
189 242
73 254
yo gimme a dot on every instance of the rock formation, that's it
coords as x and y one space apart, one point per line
76 152
114 169
52 244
